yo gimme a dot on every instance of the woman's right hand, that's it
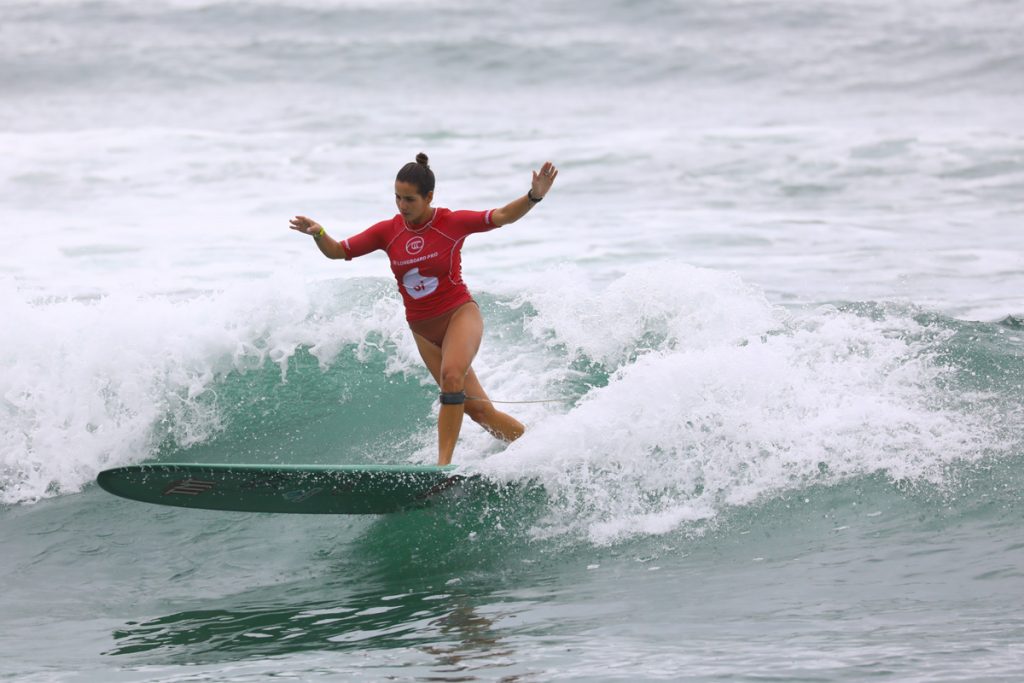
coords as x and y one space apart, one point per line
306 225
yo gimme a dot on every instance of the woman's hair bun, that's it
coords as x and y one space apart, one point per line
418 173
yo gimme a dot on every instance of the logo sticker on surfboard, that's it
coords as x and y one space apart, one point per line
188 487
301 495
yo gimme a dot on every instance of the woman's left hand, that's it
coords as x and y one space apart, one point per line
543 179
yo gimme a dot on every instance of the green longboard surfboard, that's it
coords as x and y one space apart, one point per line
311 489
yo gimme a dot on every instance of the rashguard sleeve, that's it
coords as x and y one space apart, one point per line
368 240
468 222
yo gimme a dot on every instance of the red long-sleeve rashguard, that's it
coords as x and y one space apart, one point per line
426 259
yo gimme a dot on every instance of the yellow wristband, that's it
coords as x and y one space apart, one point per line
320 234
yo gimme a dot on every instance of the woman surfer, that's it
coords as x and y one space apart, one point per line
424 245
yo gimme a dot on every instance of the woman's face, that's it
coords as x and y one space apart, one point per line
414 207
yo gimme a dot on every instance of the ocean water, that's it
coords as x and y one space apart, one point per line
773 307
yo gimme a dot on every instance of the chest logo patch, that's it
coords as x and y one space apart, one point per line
418 285
414 245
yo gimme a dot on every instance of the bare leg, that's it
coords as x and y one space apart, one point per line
449 365
500 425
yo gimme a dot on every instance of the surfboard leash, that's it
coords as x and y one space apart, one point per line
543 400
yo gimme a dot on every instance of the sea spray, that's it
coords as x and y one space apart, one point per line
688 426
663 406
93 384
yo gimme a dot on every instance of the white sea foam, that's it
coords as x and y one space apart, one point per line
833 170
93 384
738 401
715 397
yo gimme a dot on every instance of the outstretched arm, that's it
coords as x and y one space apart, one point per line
328 246
518 208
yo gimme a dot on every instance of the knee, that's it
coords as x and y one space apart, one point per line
477 411
452 379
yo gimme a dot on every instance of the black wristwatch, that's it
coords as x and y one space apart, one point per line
529 195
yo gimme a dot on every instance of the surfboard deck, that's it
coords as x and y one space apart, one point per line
304 489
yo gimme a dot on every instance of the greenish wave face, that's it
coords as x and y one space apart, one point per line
350 412
656 415
934 408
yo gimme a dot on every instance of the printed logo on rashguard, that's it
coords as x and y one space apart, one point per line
418 285
414 245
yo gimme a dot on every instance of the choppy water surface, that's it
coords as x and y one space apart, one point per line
776 293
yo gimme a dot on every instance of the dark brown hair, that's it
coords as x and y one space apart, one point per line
418 173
